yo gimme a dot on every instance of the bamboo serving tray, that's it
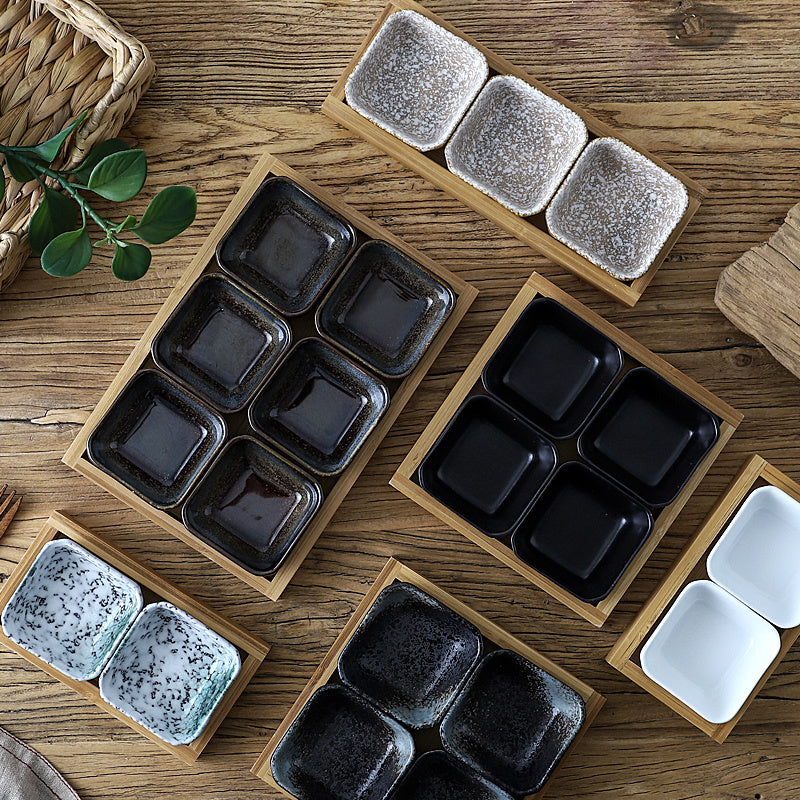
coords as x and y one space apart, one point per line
252 650
530 230
396 571
205 262
405 478
691 566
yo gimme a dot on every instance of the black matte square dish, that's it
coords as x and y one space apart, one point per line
582 532
319 406
156 438
221 341
487 465
252 505
341 748
552 367
385 309
410 655
649 436
436 775
513 722
286 245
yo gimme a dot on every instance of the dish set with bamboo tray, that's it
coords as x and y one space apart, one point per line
566 449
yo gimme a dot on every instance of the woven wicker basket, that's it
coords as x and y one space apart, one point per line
59 58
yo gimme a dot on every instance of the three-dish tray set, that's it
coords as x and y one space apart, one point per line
287 350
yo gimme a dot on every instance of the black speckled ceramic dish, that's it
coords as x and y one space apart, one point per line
286 245
513 722
582 532
339 748
410 655
252 505
436 775
221 341
552 367
487 465
156 439
320 406
649 436
385 309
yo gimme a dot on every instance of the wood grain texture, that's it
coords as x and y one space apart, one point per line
235 78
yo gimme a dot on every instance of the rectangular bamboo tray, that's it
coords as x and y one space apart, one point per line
690 566
396 571
155 588
528 230
77 458
404 479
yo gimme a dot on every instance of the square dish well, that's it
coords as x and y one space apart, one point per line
385 309
410 656
71 609
156 438
488 465
516 144
757 558
169 673
709 651
416 80
252 505
221 341
617 208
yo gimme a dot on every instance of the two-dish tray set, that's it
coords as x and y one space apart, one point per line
291 344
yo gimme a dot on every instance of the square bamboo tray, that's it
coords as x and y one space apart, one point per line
530 230
405 481
691 566
204 262
396 571
155 588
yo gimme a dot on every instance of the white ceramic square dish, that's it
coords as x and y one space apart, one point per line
709 651
169 673
71 609
416 80
757 558
617 208
516 144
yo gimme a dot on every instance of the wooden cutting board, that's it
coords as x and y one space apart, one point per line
760 293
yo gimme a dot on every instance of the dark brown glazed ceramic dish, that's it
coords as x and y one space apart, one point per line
286 245
410 655
221 341
252 505
385 309
319 406
156 439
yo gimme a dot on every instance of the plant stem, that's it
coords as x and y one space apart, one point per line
37 169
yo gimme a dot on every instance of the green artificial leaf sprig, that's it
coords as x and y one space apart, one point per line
113 171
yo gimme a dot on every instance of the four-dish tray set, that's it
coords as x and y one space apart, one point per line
287 350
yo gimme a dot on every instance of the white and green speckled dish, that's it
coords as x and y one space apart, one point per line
169 673
71 609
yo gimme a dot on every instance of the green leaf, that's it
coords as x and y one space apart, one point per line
48 150
126 224
131 261
56 214
119 176
170 212
18 170
67 254
107 148
2 183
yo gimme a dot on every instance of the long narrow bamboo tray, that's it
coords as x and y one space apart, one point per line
205 261
690 566
155 588
530 230
397 571
404 479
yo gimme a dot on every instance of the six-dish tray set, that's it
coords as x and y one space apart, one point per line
274 369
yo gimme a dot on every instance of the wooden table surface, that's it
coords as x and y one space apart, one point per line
244 75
